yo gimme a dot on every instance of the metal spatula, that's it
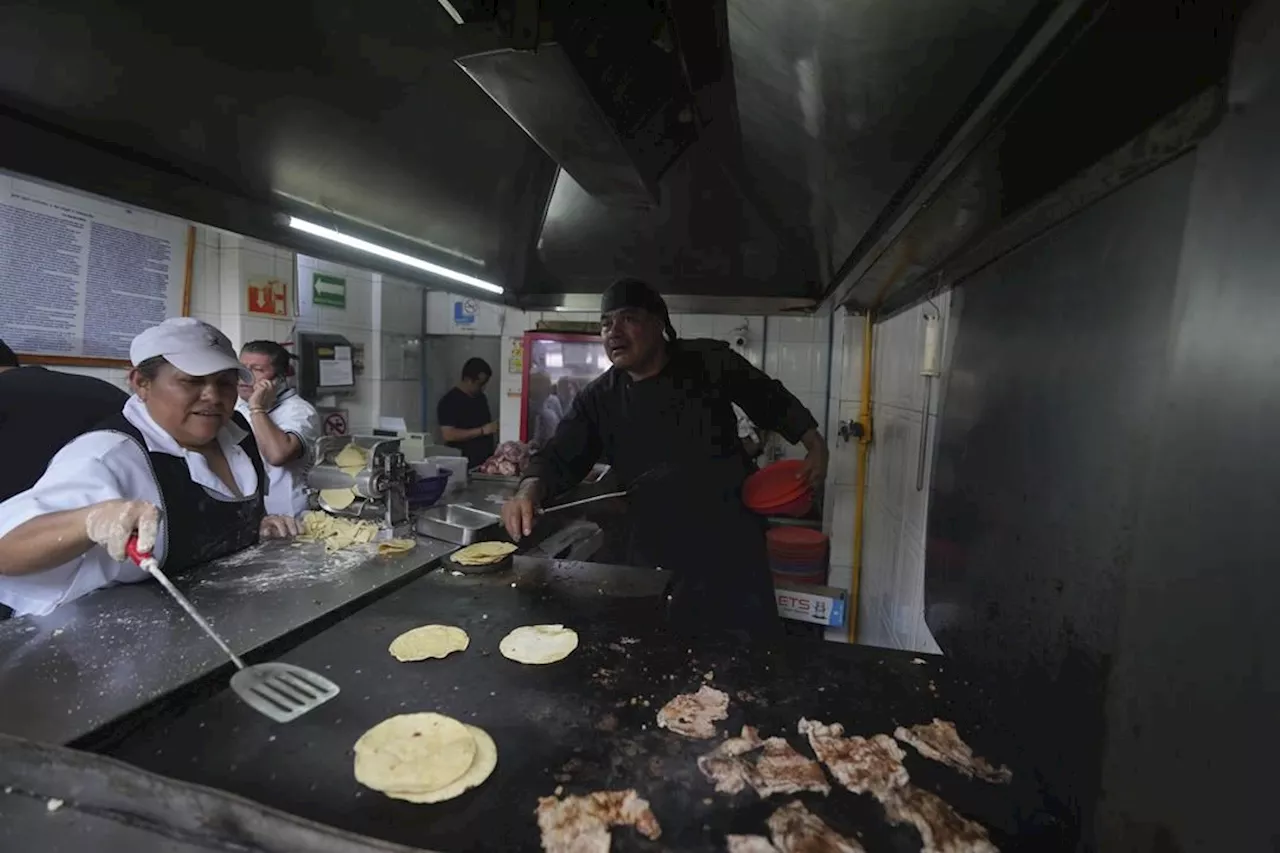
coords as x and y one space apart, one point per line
281 691
644 480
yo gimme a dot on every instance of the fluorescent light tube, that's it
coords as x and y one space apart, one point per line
390 254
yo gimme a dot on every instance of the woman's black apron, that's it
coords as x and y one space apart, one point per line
198 526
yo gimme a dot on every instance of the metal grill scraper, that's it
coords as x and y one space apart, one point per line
281 691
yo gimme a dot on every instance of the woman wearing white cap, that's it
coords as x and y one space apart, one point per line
172 467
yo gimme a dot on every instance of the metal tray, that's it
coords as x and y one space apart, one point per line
460 525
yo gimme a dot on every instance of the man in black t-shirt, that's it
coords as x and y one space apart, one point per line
40 411
463 414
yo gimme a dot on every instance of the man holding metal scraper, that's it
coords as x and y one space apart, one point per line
663 417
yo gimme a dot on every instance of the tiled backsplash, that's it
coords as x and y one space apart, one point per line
891 601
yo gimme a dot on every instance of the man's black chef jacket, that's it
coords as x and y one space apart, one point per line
40 411
691 521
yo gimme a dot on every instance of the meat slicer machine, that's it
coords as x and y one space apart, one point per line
380 486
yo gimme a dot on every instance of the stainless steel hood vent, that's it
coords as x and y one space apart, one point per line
607 99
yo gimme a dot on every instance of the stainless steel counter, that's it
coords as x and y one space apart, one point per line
111 652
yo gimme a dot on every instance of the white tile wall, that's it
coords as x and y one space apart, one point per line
891 601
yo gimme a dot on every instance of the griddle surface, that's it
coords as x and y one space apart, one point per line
586 723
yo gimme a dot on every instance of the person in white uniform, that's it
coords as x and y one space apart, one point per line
285 426
172 468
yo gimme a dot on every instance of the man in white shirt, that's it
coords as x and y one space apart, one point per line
285 426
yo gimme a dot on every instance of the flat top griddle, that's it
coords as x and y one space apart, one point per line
584 724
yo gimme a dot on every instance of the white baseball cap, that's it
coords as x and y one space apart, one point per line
191 345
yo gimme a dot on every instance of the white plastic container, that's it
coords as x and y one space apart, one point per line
456 464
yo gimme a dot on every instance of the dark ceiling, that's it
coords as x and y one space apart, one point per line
812 116
354 107
838 102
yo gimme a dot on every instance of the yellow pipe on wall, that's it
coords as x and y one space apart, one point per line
860 484
864 441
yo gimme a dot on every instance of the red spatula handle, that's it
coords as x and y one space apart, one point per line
131 548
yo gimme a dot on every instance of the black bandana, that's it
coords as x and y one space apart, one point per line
633 293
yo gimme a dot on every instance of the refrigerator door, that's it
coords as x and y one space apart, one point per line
556 368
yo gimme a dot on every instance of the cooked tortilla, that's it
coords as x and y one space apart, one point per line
429 641
539 644
414 753
482 553
481 767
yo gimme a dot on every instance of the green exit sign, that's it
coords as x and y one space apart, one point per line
329 290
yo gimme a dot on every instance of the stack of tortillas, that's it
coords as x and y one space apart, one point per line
424 758
539 643
483 553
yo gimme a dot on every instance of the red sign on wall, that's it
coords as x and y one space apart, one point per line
267 296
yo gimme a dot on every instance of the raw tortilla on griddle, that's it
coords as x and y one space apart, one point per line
941 742
580 824
795 829
863 765
941 828
694 715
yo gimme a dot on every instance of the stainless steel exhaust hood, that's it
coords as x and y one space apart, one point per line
607 99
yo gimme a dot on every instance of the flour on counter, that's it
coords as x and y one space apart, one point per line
276 569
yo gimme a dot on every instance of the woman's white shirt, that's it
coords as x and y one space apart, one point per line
100 466
287 484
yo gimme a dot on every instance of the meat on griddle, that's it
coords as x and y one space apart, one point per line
863 765
941 828
779 769
749 844
724 766
795 829
580 824
694 715
782 770
941 742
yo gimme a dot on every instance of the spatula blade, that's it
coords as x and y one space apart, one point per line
282 691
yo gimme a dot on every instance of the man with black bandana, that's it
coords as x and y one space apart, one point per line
665 409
